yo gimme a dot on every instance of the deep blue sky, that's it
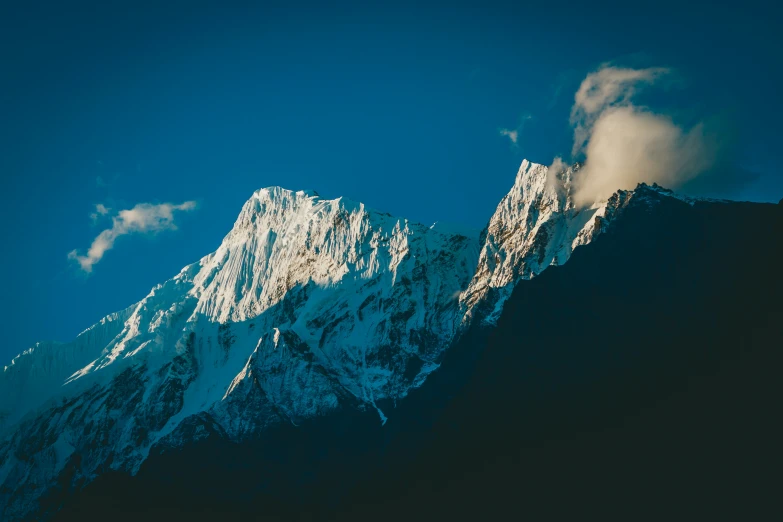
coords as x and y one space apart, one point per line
398 107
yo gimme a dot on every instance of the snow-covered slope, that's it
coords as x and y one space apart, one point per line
535 225
37 374
307 306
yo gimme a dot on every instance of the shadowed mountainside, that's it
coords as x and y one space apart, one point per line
640 380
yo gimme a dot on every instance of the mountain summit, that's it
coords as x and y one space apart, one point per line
308 306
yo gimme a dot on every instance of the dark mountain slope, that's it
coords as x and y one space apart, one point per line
640 380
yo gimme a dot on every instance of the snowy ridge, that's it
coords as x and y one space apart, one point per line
38 373
307 306
535 225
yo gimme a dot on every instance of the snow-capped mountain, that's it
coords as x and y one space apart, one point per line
36 374
535 225
308 306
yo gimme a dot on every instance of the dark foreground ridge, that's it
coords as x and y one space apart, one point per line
638 381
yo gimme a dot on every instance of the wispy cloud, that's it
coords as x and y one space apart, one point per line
512 134
624 144
100 210
144 218
603 89
562 83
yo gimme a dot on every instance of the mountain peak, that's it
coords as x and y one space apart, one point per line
277 192
307 306
535 225
530 173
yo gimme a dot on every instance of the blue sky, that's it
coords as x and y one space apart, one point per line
399 107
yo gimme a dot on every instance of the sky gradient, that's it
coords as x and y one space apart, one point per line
401 108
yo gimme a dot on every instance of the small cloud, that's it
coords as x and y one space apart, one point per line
99 182
513 135
553 173
100 210
144 218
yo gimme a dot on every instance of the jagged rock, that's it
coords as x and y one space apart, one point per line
308 306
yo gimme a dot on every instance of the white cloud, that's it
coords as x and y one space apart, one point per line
143 218
604 88
624 144
100 210
628 146
610 85
513 135
557 167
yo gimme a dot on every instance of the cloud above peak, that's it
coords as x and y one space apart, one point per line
611 85
605 88
513 134
144 218
624 144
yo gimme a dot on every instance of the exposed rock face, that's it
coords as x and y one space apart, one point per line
535 225
308 306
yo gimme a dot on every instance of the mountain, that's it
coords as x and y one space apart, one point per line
36 374
536 225
639 381
320 343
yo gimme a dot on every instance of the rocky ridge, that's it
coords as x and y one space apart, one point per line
308 306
